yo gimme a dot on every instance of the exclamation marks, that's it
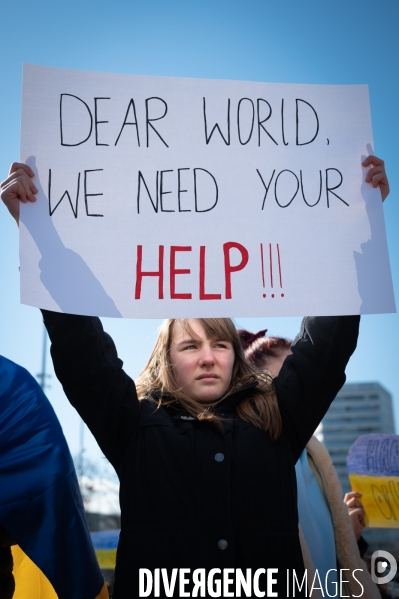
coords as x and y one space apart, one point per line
271 266
273 257
263 267
279 270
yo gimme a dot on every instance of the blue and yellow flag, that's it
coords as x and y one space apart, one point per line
105 544
373 467
40 502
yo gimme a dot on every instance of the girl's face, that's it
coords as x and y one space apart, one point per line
203 367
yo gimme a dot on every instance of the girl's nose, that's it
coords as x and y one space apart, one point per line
207 357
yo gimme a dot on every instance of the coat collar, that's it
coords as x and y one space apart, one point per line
226 406
229 403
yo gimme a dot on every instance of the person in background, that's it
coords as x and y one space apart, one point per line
328 528
45 543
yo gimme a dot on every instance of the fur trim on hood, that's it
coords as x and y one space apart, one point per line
346 547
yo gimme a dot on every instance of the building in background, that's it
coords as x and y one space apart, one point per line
359 409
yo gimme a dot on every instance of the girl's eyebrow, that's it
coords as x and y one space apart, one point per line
197 340
189 340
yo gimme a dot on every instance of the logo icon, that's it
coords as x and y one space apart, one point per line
383 562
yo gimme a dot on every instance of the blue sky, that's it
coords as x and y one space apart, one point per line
281 41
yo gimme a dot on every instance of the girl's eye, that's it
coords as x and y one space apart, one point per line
189 347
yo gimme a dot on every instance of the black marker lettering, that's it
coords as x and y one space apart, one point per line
330 189
297 123
282 123
63 143
243 143
66 193
275 188
303 193
195 190
180 190
216 126
97 122
260 122
162 192
141 178
265 186
149 121
87 195
125 122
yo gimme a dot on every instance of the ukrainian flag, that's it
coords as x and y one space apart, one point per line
105 543
40 502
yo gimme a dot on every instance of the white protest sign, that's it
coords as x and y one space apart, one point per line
171 197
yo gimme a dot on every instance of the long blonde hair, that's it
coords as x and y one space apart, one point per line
261 409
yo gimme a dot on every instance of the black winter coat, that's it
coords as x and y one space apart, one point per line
193 496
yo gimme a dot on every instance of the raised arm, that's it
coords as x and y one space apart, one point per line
88 367
311 377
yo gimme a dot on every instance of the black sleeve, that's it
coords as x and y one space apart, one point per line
362 546
88 367
7 582
311 377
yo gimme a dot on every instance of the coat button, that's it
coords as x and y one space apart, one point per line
222 544
219 457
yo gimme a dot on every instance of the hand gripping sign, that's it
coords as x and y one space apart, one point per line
186 197
373 467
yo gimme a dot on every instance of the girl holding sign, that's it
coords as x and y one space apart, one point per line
204 446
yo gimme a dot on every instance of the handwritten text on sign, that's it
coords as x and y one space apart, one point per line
187 197
373 467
